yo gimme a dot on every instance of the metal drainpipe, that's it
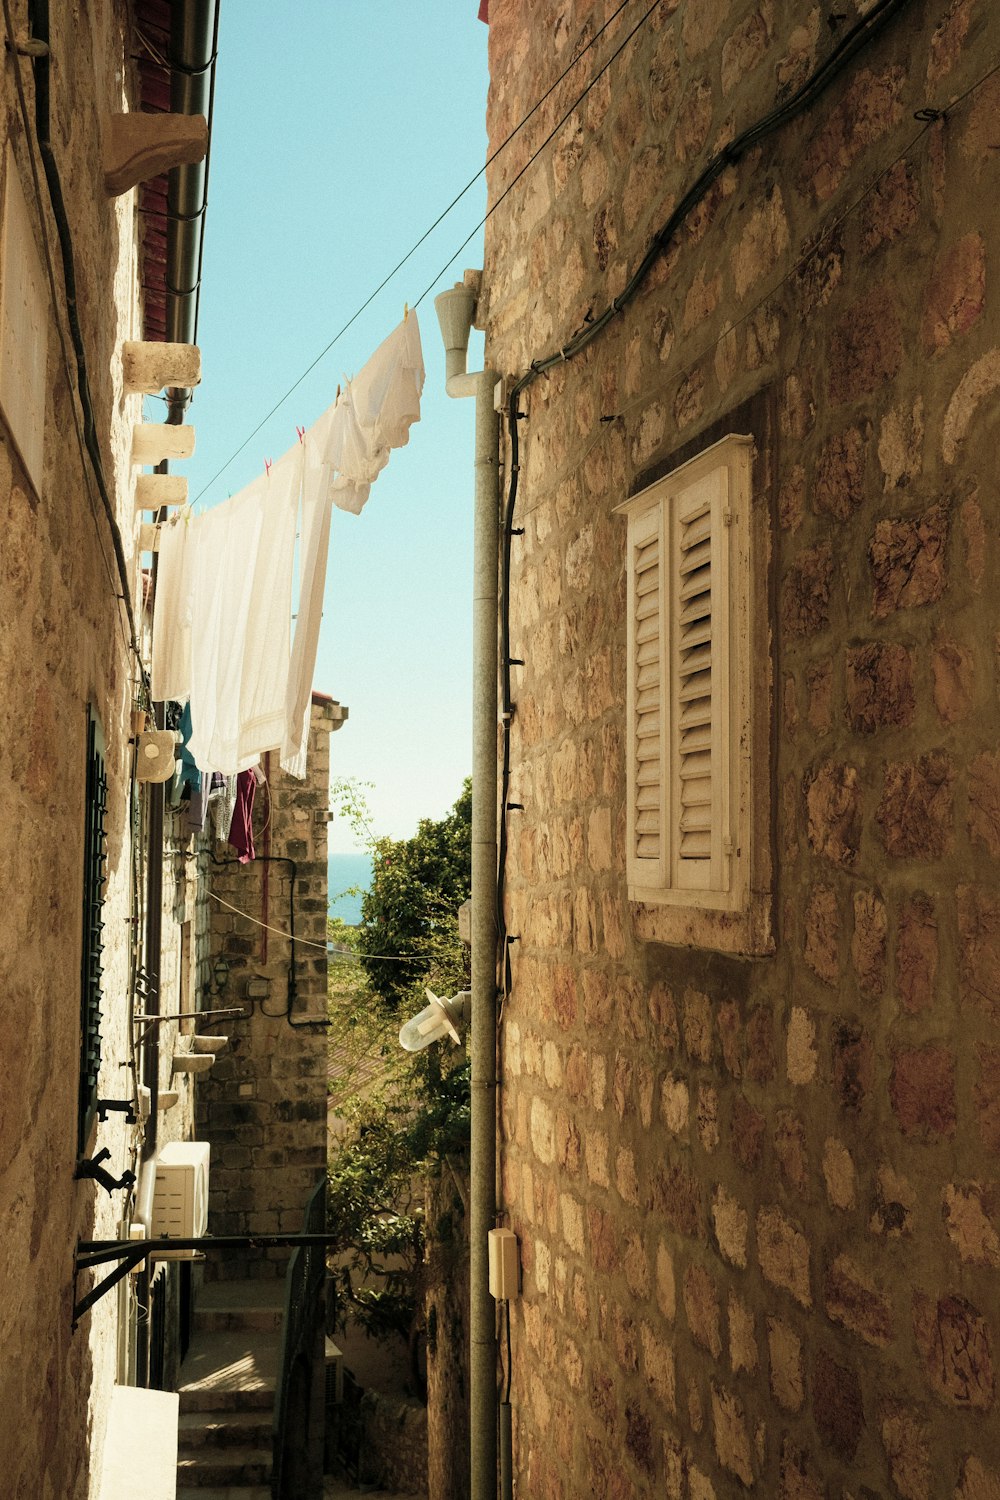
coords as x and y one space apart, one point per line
483 1030
194 32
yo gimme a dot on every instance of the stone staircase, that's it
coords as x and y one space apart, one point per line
227 1392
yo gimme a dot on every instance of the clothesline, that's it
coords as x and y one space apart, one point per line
222 623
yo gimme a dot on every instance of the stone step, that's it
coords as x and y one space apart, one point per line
230 1371
235 1429
218 1467
228 1306
235 1319
225 1492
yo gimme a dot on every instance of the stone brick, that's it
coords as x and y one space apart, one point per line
922 1090
542 1131
701 1306
853 1300
790 1149
900 445
761 1060
916 809
698 1026
730 1222
894 1204
907 558
785 1359
732 1444
819 683
948 40
837 1406
603 1240
731 1036
986 1095
953 1342
984 802
891 209
792 498
797 411
974 532
677 1195
956 292
762 243
694 119
800 1479
953 675
838 1173
675 1104
822 934
969 1212
819 270
834 817
868 943
980 380
916 954
659 1367
666 1286
866 348
879 686
839 489
708 1116
805 594
977 1482
745 48
742 1336
869 107
904 1438
747 1133
783 1252
979 949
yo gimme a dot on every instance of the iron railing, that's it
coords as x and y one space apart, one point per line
294 1406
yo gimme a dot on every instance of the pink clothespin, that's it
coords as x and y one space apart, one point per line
267 466
301 432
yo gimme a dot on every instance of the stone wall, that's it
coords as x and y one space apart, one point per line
62 647
758 1201
263 1107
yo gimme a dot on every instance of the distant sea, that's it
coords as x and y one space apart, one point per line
345 872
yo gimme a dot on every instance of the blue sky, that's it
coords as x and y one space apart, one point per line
342 128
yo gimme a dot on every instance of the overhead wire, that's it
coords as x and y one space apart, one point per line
327 947
428 232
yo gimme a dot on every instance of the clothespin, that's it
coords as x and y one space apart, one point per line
267 466
301 432
337 397
406 311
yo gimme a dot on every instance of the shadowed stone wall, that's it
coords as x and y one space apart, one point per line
758 1200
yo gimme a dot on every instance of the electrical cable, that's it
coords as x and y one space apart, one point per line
60 331
393 958
40 70
533 158
815 85
427 233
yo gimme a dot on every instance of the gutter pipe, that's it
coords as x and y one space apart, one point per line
455 309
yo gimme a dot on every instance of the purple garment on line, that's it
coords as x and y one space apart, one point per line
241 828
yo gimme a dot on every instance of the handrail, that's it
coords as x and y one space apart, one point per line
303 1292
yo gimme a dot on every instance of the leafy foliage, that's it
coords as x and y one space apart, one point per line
410 911
404 1115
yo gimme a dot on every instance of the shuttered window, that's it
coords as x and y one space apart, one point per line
92 966
687 679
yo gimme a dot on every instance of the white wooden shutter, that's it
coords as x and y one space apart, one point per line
700 683
647 701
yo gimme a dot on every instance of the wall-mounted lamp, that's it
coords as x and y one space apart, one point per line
220 972
439 1018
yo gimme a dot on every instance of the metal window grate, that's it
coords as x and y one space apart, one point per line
92 964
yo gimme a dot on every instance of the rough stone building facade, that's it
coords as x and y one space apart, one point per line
757 1197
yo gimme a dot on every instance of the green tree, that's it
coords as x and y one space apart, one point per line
408 935
406 1116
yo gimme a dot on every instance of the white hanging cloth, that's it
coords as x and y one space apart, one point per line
222 622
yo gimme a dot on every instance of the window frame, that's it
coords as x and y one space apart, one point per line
91 963
726 903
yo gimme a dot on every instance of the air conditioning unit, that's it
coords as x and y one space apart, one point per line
180 1197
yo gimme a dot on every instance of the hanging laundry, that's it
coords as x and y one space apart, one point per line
222 634
170 672
222 804
241 829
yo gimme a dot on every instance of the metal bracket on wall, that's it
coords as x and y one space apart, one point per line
131 1254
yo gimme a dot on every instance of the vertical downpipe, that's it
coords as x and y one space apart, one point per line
484 941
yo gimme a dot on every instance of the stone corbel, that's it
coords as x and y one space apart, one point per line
147 368
154 490
152 442
138 146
